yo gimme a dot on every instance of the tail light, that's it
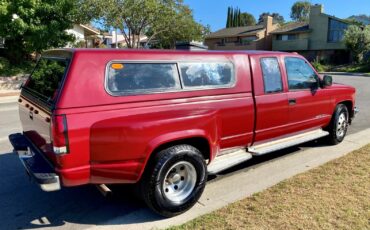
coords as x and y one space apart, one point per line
60 134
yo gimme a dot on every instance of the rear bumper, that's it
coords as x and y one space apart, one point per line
35 163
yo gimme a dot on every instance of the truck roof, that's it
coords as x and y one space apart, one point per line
67 52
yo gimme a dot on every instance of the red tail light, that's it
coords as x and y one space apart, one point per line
60 134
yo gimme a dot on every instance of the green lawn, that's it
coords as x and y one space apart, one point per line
333 196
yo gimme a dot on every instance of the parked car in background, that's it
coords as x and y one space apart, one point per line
164 120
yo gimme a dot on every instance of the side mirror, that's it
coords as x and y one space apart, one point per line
327 81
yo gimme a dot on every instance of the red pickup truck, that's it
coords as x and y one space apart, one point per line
164 120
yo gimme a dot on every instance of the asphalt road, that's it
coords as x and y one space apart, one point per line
24 206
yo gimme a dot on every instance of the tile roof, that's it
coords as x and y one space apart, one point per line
236 31
292 27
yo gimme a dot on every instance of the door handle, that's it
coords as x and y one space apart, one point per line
292 101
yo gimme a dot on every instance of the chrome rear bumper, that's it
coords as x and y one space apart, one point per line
36 165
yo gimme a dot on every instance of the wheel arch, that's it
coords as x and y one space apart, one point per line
195 138
349 105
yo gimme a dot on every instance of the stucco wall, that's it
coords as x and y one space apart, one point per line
319 24
301 43
78 32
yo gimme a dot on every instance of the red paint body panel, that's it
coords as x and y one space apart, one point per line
111 138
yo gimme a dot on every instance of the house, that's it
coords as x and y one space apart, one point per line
255 37
193 45
113 38
321 37
86 36
107 39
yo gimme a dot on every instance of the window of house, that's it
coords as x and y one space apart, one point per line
286 37
271 75
336 30
247 40
231 39
132 78
300 74
207 74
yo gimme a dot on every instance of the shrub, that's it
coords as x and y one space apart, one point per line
318 66
8 70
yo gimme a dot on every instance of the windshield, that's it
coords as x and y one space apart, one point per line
46 78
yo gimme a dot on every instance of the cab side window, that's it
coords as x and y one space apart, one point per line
300 74
271 75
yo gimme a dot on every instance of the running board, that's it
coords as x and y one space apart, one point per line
287 142
228 160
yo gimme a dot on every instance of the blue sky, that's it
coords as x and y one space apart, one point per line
213 12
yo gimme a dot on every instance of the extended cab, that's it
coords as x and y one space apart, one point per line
165 119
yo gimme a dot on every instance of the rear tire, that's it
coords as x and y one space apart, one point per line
174 180
338 125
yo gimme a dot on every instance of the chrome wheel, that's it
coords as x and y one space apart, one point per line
342 125
179 181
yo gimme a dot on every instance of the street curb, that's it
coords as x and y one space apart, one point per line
12 98
9 94
243 183
346 73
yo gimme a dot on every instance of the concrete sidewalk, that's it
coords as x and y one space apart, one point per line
243 183
9 98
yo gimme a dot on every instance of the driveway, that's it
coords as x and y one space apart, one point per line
24 206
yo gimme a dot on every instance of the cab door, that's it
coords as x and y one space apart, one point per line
309 105
271 98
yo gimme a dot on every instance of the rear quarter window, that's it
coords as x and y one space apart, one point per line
209 75
138 78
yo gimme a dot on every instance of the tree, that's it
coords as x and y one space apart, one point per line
228 18
357 40
166 20
361 18
235 18
32 26
231 23
276 16
206 31
182 28
247 19
300 11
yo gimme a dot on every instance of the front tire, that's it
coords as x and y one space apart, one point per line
174 180
338 125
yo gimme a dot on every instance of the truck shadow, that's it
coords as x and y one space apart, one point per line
25 206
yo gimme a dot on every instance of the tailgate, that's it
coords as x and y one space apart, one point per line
38 100
35 123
